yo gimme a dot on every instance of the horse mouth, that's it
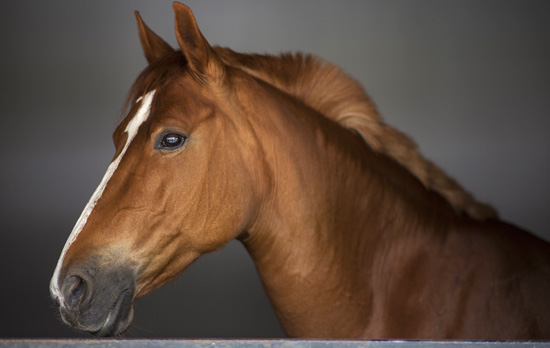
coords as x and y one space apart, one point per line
120 317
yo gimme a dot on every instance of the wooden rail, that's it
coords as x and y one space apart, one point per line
278 343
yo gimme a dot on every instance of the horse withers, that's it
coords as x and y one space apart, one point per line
353 232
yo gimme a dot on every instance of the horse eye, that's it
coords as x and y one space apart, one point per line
172 141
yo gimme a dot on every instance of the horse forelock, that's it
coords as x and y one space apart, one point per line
327 89
156 75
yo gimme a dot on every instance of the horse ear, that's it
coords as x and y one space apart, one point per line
200 56
153 46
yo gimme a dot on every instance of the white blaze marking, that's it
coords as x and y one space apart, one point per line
132 128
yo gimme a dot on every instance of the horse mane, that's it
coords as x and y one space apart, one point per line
336 95
327 89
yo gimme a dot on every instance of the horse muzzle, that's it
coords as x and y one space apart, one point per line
96 300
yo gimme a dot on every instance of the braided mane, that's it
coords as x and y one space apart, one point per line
327 89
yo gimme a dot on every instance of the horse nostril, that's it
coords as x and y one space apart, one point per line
74 290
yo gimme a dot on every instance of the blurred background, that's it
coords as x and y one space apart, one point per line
468 80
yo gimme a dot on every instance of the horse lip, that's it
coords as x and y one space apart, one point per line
119 317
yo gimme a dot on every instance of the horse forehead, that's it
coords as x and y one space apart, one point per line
183 91
183 101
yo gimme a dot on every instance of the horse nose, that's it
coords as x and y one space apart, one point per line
74 289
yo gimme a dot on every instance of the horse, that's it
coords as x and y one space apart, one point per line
353 232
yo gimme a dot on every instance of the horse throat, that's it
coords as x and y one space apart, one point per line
333 204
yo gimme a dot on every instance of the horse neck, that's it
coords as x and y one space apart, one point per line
333 205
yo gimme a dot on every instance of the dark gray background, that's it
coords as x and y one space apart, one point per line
468 80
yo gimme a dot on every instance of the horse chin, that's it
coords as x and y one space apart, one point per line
119 318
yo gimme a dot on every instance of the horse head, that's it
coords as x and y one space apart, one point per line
179 185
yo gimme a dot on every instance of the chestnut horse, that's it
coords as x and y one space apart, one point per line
353 232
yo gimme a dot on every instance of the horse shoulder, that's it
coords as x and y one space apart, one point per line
481 280
505 275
